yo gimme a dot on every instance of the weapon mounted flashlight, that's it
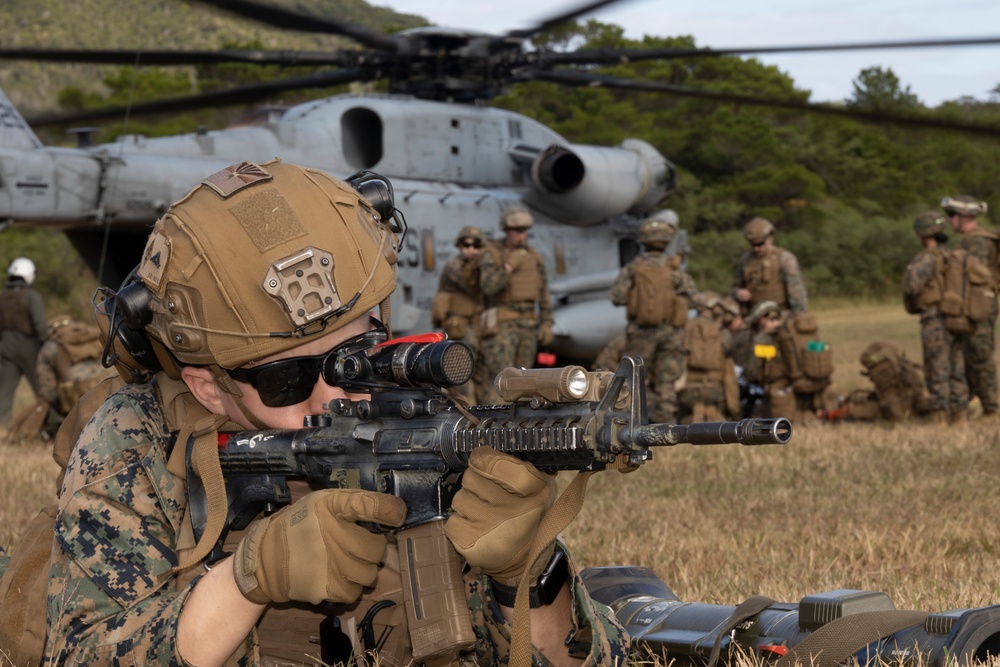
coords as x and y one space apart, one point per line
569 384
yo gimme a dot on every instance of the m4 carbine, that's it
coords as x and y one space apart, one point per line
409 438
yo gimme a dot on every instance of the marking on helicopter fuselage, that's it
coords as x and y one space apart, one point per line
22 184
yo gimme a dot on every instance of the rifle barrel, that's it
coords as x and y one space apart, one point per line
758 431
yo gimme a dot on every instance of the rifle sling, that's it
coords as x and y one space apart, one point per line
836 641
746 609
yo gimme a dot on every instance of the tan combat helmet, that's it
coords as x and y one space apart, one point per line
258 256
668 216
965 205
929 223
516 217
656 233
760 310
757 230
470 232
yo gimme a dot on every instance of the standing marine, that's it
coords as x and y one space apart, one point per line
709 390
23 326
766 272
656 293
517 315
458 301
978 345
944 366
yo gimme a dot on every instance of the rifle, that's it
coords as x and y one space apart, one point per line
409 438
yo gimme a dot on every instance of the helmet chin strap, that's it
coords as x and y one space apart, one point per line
229 386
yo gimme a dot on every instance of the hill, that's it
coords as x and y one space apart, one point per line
161 24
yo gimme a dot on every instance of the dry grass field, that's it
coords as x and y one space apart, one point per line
907 509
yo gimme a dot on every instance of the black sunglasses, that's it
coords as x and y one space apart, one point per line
470 244
290 381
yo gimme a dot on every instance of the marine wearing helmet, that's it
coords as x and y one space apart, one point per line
758 230
516 217
964 205
931 224
656 233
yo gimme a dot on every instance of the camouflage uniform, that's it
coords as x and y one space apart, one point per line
661 346
769 369
23 327
978 346
710 372
122 524
773 276
459 287
69 365
521 305
944 366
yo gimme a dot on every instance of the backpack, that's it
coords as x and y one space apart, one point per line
652 299
703 341
967 295
899 383
810 358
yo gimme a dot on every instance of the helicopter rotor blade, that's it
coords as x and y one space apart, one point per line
612 56
581 79
218 98
282 18
551 22
164 58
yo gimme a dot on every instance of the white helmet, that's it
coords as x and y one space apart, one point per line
23 268
667 215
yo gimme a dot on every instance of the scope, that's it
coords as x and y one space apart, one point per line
407 362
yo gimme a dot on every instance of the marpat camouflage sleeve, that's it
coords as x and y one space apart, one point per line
739 281
918 273
112 599
795 284
623 283
596 636
493 277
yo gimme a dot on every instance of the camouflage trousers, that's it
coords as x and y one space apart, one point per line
662 350
944 367
980 366
514 344
703 401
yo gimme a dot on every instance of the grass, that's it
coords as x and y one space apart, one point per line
907 509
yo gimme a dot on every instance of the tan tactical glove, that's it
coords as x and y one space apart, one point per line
545 334
516 258
313 550
495 514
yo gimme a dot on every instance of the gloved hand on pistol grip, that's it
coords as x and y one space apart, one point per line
496 513
313 550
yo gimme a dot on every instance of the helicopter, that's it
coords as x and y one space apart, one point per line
452 160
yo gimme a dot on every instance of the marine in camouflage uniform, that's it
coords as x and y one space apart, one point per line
944 365
767 367
766 272
709 391
978 346
23 327
661 344
517 315
458 301
127 582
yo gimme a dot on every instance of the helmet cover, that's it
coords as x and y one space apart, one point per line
929 223
257 256
654 231
22 268
758 229
516 217
470 232
966 205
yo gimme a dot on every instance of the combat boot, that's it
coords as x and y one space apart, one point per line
959 419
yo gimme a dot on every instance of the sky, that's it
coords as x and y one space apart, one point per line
933 75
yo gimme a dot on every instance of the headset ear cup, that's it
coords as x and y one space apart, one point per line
128 350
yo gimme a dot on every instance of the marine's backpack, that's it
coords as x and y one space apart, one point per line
899 383
810 358
967 291
652 300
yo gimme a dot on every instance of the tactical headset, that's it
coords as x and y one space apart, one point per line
122 316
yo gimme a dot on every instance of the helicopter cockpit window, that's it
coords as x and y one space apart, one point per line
361 137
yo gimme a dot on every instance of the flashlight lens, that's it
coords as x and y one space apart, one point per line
576 383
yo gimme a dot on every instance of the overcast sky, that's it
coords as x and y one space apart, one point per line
934 75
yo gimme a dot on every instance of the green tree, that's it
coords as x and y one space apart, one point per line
878 89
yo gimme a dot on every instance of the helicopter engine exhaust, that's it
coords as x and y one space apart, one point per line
584 185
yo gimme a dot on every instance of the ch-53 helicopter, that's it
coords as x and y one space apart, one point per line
452 160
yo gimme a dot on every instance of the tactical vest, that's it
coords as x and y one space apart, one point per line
933 289
809 359
14 315
652 299
527 278
993 263
762 276
706 357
